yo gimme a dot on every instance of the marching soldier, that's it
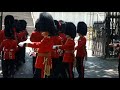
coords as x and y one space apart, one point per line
55 54
17 30
36 36
62 27
23 34
9 48
81 48
68 48
43 62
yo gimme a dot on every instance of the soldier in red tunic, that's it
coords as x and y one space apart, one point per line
81 48
36 36
62 27
55 54
9 48
23 35
17 30
68 48
43 62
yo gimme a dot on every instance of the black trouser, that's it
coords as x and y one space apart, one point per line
8 68
18 60
67 71
60 70
21 55
37 73
23 49
80 67
56 66
34 60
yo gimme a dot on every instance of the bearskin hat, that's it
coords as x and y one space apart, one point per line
15 22
17 25
9 20
23 24
46 23
37 24
62 26
70 29
9 24
57 26
82 28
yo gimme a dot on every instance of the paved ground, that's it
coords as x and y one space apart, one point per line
94 68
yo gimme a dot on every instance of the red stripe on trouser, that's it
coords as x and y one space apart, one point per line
70 69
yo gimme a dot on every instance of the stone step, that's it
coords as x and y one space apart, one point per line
21 15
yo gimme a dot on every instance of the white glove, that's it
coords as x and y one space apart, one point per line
21 44
54 47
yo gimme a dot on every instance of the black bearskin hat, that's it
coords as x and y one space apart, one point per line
70 29
82 28
9 20
9 24
17 25
16 22
37 24
46 23
23 24
57 26
62 26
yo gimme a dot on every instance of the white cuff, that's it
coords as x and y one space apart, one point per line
54 47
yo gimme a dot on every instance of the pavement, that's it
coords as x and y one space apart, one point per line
95 67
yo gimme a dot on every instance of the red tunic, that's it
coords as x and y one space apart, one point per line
9 47
57 41
68 47
21 36
63 36
44 46
24 35
36 36
2 36
81 49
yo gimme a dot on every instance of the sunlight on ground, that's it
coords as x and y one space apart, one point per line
111 71
0 72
